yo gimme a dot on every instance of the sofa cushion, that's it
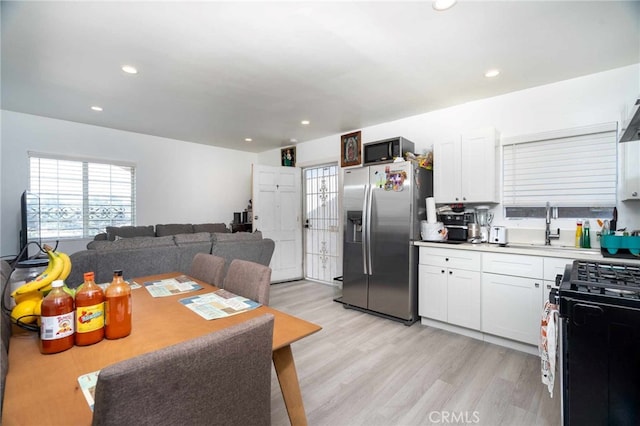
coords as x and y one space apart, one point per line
210 227
237 236
258 251
174 229
136 262
132 243
129 232
81 262
195 238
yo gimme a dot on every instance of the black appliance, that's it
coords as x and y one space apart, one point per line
599 306
456 224
386 150
29 222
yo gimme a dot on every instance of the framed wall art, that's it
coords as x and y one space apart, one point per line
288 156
350 149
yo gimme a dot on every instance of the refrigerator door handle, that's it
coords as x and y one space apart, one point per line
369 211
365 234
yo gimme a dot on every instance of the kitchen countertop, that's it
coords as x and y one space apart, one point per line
531 250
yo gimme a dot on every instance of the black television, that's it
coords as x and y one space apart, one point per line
29 221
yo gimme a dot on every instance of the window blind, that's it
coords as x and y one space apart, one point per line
570 168
79 198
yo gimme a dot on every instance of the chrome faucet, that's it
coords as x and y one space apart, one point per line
548 236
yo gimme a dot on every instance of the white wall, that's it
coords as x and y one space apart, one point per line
177 181
597 98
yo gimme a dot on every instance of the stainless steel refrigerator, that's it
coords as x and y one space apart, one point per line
382 209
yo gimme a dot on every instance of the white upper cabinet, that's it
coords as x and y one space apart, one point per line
630 188
465 169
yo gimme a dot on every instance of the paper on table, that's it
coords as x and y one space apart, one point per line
88 385
171 286
219 304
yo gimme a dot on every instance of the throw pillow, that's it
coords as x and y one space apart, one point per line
174 229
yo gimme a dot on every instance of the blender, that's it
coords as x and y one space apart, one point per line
484 218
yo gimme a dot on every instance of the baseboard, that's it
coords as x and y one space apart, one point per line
479 335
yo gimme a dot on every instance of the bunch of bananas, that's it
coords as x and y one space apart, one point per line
28 297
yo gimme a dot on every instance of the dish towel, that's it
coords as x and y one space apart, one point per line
548 344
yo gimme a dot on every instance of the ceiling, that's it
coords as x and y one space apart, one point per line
219 72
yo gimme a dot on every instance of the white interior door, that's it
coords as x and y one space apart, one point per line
277 206
322 223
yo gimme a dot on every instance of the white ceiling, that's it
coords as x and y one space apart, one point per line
219 72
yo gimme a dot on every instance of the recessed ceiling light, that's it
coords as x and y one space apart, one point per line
293 140
492 73
248 140
96 108
305 122
129 69
441 5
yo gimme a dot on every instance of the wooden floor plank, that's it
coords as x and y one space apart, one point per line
361 369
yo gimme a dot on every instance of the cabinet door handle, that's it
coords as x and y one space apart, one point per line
537 285
548 286
442 272
450 272
446 259
634 194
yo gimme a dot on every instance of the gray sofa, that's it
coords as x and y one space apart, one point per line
161 230
147 255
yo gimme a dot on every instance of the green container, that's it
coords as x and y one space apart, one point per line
613 243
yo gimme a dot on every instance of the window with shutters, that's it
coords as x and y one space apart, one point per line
79 198
573 170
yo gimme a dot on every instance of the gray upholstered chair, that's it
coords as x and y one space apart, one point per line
4 369
222 378
248 279
5 318
208 268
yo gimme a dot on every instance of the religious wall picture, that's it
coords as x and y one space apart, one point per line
350 149
288 156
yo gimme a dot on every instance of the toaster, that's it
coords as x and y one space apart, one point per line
498 235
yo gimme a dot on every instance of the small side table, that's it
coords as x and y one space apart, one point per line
241 227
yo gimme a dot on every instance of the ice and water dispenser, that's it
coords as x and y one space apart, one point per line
354 226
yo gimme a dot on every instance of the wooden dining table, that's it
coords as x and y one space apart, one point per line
44 390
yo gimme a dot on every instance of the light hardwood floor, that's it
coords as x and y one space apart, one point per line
365 370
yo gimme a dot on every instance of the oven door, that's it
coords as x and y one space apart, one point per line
600 364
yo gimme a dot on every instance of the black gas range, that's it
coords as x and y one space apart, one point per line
599 305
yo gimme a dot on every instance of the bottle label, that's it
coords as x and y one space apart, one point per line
89 318
57 327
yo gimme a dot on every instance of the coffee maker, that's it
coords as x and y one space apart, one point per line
484 218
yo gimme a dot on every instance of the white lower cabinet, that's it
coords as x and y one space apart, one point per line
498 296
432 292
512 289
511 306
463 303
552 267
447 293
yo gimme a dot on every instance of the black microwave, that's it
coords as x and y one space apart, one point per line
386 150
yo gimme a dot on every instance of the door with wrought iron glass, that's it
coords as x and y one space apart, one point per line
322 226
